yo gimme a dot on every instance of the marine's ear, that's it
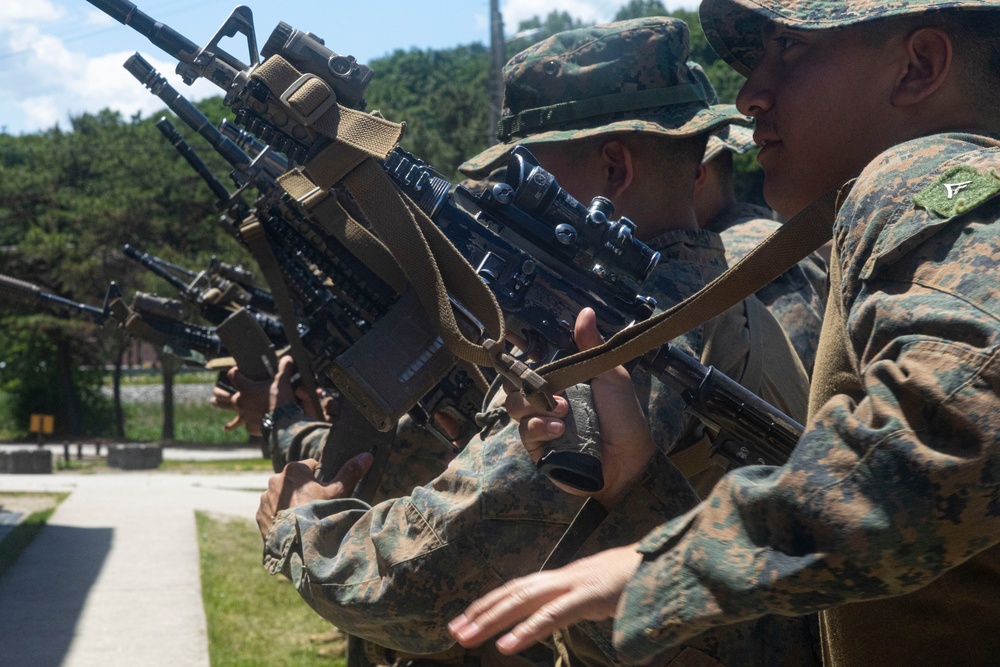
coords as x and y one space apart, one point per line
700 176
618 162
929 66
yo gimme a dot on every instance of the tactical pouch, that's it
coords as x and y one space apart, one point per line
251 348
394 365
574 459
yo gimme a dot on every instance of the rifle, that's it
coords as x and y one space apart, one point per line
151 318
509 253
591 261
577 257
34 296
339 298
208 301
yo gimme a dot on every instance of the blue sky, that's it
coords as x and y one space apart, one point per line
62 57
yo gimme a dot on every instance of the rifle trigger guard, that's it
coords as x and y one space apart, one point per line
316 113
533 386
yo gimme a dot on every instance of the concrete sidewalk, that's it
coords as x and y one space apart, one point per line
113 579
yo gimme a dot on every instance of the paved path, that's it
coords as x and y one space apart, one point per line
170 452
113 579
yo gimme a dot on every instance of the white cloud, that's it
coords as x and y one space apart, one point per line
47 81
96 17
102 82
15 11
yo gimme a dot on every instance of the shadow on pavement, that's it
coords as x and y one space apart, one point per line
43 594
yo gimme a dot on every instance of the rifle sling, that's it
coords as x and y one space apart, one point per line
417 245
331 216
253 233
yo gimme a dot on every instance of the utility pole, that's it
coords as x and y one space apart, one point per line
494 79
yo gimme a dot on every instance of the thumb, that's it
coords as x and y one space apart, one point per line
585 332
233 424
349 475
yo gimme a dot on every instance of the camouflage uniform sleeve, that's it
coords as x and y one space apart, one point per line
299 440
396 573
888 488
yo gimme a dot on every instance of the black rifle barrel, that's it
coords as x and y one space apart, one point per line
153 263
140 68
25 292
160 34
274 163
189 154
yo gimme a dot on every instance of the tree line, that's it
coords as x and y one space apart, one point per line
71 198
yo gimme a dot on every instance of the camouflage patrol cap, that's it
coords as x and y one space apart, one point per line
733 27
629 76
734 138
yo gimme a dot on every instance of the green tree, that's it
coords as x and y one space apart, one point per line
442 96
69 201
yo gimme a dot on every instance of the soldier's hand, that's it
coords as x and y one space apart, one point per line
223 400
250 400
627 445
587 589
296 485
281 392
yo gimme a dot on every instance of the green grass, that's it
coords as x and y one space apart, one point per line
193 422
21 535
73 465
254 618
184 377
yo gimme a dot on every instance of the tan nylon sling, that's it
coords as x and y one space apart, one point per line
358 240
323 206
414 240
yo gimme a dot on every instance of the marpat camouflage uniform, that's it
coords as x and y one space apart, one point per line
397 572
796 298
893 486
415 456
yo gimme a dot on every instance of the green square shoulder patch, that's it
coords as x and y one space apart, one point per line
958 190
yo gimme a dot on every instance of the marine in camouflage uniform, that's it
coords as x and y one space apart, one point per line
396 573
890 501
796 298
